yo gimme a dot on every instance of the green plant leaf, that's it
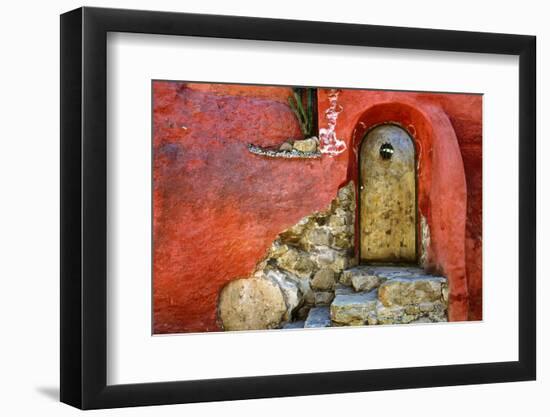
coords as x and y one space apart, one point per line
304 115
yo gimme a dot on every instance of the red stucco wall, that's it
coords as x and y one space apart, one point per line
217 207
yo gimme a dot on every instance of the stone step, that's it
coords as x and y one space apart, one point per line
389 295
367 278
353 309
342 289
318 317
426 312
382 295
409 290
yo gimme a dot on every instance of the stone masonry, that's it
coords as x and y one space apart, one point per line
310 278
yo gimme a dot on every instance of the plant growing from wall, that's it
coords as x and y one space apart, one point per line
302 104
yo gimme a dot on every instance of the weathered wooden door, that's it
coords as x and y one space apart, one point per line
387 187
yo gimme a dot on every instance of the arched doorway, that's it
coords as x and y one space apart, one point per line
387 197
440 190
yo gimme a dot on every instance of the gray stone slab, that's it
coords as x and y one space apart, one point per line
368 277
353 309
318 317
390 272
348 274
342 289
419 278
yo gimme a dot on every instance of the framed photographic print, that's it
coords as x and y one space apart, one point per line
256 208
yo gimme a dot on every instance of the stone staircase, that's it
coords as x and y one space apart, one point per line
370 295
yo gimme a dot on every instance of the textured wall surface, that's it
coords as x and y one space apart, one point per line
217 207
302 269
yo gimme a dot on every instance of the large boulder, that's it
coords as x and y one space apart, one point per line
251 304
291 288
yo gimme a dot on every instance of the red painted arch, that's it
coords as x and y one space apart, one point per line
441 188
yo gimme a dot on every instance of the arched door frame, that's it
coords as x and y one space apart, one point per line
360 182
441 189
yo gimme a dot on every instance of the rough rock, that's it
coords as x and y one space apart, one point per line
318 317
307 293
332 228
285 146
365 282
342 241
336 260
305 145
294 234
361 278
353 309
320 236
251 304
297 262
397 314
345 278
339 222
445 292
324 280
290 288
323 298
346 196
407 291
277 249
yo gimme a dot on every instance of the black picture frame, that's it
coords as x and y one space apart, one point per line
84 207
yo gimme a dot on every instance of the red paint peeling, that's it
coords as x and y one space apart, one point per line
217 207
